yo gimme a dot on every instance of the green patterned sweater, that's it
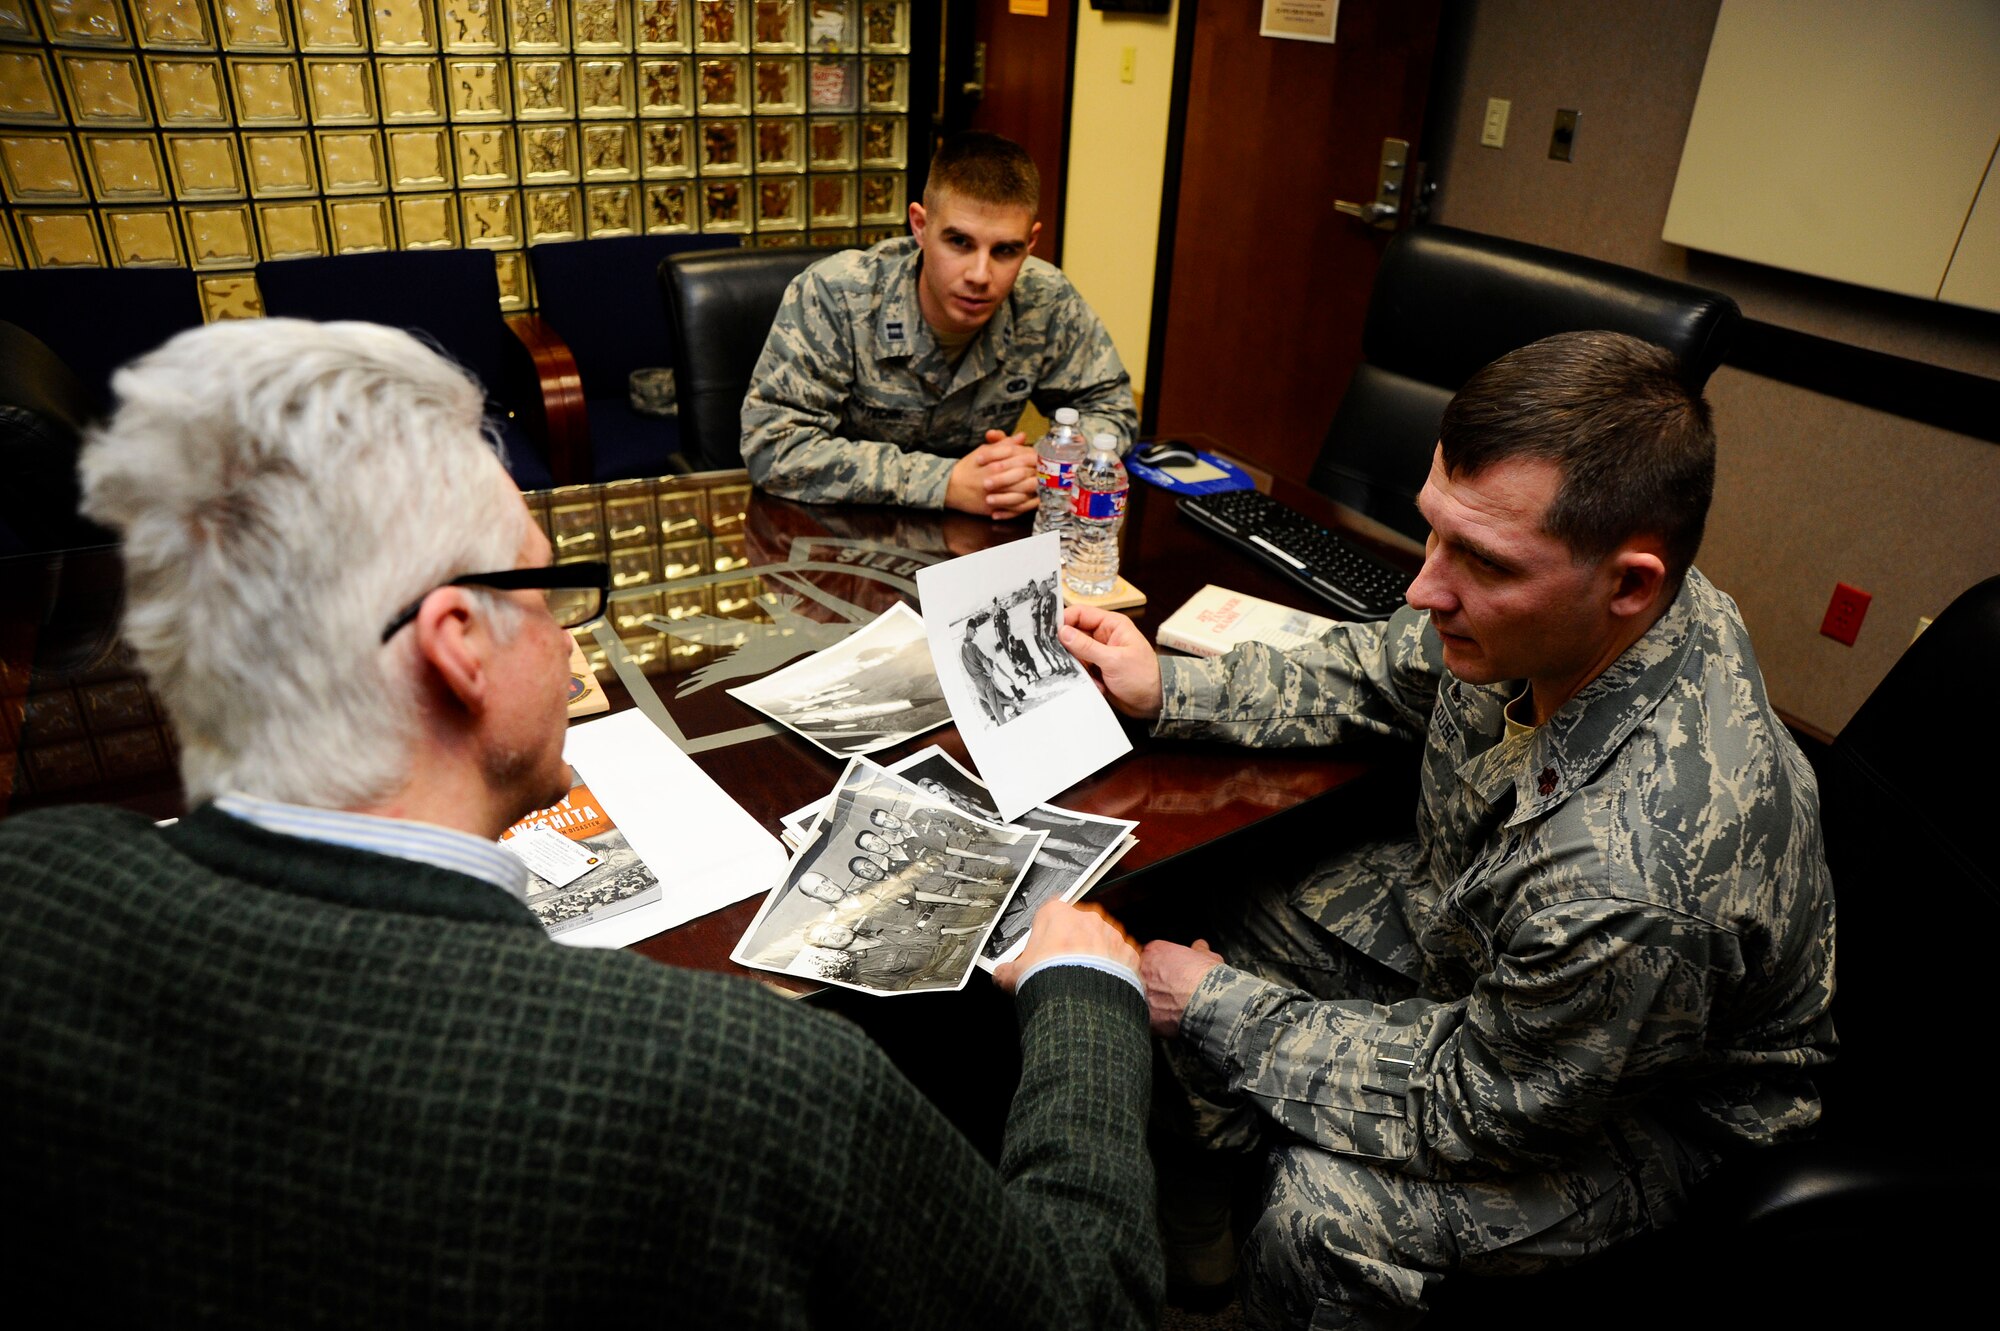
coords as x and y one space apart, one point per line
250 1079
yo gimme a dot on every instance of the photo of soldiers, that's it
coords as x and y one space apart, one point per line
1008 652
895 891
1073 847
1076 848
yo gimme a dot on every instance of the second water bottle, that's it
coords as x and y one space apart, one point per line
1091 568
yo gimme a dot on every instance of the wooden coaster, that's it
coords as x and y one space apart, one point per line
1122 596
586 695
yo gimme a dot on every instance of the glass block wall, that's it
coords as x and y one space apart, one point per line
212 134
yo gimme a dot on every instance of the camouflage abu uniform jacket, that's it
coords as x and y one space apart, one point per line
853 401
1628 905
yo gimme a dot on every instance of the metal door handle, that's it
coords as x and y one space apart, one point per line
1375 214
1386 207
976 85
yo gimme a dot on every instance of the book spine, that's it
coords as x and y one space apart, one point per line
1169 636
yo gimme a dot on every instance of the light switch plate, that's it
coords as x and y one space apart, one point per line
1494 133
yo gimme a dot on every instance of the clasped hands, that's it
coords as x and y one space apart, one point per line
998 479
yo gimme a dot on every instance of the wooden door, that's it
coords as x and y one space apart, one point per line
1257 316
1024 93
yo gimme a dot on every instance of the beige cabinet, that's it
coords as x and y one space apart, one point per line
1850 139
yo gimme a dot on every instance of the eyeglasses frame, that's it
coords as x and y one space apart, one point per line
582 575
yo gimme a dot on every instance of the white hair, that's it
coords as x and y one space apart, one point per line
283 488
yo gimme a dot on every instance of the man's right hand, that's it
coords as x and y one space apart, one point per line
1171 973
1123 663
1061 929
996 479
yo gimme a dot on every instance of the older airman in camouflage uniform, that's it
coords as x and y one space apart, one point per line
855 400
1603 963
1609 954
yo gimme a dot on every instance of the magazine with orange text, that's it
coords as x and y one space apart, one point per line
581 869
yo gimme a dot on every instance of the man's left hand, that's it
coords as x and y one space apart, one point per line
1170 973
1012 481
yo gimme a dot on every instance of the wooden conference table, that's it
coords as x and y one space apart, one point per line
766 561
741 580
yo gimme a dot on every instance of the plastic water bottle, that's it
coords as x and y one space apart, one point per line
1058 452
1098 513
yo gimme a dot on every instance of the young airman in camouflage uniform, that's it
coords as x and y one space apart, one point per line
897 374
1605 961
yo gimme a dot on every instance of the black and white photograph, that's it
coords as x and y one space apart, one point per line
1034 723
1075 852
1078 850
874 688
896 891
1009 652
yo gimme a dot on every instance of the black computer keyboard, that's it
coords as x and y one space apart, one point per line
1358 584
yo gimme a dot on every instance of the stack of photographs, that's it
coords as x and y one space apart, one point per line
1077 849
894 891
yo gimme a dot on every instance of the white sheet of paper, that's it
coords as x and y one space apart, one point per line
706 848
1034 725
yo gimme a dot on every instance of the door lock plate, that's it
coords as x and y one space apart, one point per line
1387 205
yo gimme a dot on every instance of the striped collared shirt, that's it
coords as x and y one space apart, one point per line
1105 964
426 843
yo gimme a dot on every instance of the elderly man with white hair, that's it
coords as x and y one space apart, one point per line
304 1055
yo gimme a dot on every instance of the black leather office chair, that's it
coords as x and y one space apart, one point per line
451 298
721 303
1885 1212
96 319
601 299
44 407
1447 303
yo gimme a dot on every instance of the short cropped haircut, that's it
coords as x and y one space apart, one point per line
1615 414
283 488
986 167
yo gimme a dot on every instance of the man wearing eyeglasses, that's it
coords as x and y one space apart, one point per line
305 1056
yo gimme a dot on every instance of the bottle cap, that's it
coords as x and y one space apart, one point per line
1066 416
1103 440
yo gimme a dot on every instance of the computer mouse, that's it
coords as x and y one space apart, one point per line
1168 453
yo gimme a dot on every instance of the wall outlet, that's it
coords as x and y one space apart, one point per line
1494 133
1562 139
1844 613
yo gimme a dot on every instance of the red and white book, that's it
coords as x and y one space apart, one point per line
1215 619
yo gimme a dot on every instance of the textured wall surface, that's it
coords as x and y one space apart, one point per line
1812 490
